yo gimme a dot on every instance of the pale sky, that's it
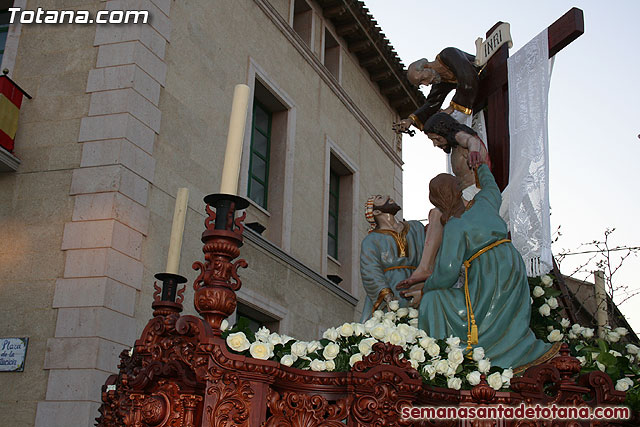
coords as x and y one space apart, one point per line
593 113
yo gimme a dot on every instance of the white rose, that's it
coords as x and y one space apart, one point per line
421 334
417 354
555 336
507 374
378 314
587 332
358 329
402 312
238 341
288 359
577 329
484 365
370 324
224 325
546 280
478 354
263 334
408 332
274 339
433 349
495 380
429 370
313 346
395 337
544 310
394 305
379 331
414 363
355 358
601 366
623 384
346 330
549 328
365 345
453 342
622 331
318 365
613 336
630 357
426 342
285 338
390 316
615 353
553 303
456 357
454 383
442 366
330 365
414 322
538 292
413 313
331 334
571 335
299 348
632 349
451 370
331 351
565 323
390 324
582 359
261 350
474 378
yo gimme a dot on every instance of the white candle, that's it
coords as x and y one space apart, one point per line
235 138
177 230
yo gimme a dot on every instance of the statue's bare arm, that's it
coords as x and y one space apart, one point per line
477 151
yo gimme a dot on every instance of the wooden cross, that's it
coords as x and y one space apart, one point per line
494 93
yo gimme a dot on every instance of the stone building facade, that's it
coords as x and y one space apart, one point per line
121 116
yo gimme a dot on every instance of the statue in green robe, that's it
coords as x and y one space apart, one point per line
498 292
389 254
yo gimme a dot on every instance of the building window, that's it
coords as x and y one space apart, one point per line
5 15
259 160
255 319
303 20
331 58
334 208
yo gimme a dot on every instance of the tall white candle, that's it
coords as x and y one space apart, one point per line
235 138
177 230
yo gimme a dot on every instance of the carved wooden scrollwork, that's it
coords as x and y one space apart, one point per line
295 409
228 399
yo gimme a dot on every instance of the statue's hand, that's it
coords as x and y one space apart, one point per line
402 126
475 159
413 294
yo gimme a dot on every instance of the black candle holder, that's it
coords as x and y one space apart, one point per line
170 282
226 206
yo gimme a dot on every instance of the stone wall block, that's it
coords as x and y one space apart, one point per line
110 178
157 18
95 292
104 262
118 152
102 234
124 76
66 414
132 52
125 101
146 34
75 384
114 126
96 322
83 353
111 206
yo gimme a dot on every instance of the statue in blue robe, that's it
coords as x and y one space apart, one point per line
497 280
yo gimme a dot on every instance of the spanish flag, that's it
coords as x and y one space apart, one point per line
10 102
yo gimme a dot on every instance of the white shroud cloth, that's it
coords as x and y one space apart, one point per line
527 195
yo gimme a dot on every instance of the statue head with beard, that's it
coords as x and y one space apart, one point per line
380 210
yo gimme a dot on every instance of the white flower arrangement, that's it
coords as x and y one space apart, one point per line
442 362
